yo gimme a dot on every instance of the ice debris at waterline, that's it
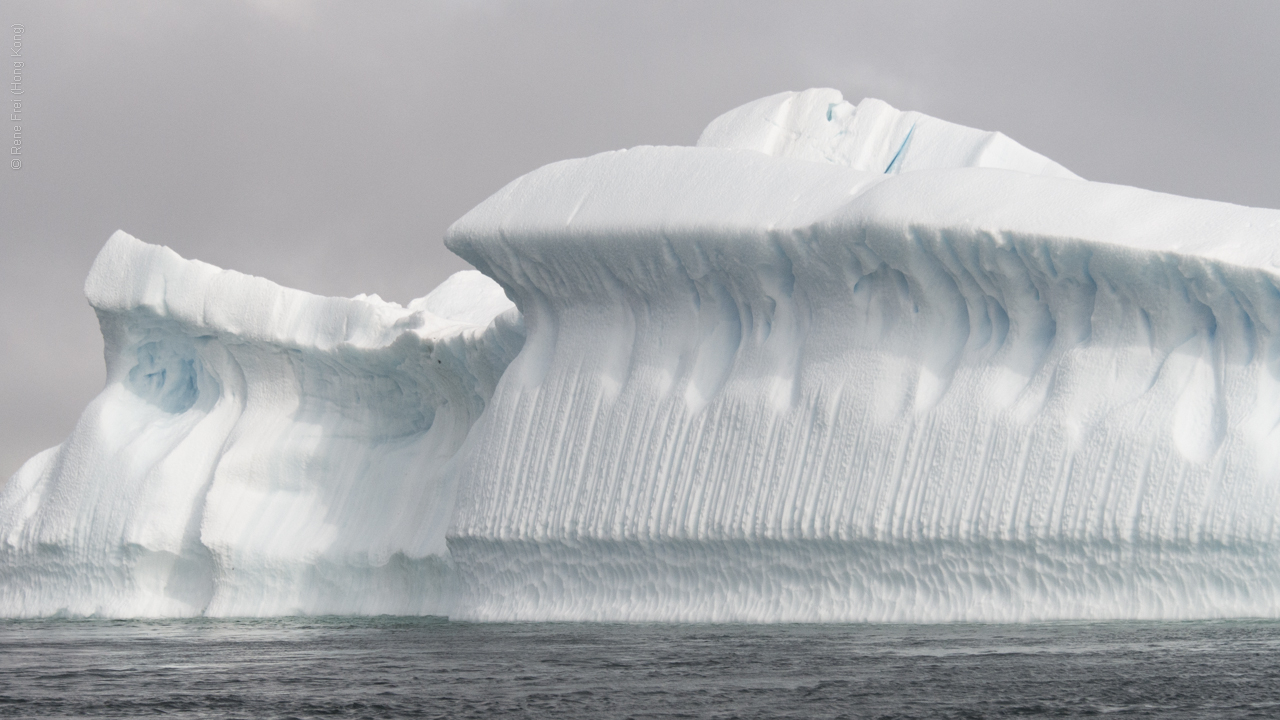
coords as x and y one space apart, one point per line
835 363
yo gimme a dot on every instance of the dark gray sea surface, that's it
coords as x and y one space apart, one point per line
398 667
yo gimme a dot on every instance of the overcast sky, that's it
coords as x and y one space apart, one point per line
327 146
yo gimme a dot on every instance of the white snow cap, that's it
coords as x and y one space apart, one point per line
819 125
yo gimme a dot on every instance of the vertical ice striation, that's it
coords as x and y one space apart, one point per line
257 450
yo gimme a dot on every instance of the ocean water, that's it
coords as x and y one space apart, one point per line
398 667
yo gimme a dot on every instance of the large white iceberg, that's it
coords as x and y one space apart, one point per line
836 363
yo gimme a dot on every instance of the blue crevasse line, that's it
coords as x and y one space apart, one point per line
902 147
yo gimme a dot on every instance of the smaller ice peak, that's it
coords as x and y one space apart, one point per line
820 125
467 297
257 450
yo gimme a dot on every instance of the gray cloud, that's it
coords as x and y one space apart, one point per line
327 146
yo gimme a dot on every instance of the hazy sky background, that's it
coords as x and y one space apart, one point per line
327 146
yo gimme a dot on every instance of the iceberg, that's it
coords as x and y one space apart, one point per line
835 363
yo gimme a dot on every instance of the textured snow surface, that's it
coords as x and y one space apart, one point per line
819 125
836 363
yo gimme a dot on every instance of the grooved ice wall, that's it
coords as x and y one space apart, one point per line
772 389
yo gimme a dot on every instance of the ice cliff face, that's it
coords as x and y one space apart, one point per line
834 363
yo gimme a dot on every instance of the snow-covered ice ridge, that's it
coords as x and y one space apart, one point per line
836 363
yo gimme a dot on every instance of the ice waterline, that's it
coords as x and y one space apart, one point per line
836 363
